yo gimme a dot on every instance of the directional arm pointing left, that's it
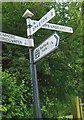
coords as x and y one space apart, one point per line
4 37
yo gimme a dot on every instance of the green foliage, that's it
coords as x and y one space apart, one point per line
59 73
13 102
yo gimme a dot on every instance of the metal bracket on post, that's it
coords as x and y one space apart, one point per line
36 101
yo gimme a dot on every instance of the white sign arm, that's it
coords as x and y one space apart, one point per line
43 20
46 47
55 27
4 37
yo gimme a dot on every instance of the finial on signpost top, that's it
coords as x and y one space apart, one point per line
27 14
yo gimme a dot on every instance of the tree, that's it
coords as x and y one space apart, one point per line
59 73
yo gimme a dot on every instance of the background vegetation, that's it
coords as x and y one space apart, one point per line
60 74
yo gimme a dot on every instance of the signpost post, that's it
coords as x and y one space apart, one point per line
34 82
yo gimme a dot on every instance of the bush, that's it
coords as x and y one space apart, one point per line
13 101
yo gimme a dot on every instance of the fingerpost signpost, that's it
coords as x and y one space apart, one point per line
43 49
35 54
30 31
